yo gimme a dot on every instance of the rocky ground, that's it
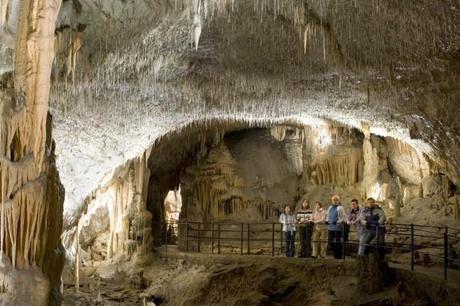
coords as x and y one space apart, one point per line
175 278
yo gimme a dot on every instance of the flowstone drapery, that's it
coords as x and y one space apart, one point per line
31 194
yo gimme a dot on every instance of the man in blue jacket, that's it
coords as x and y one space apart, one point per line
335 218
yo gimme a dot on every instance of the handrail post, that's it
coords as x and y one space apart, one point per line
377 248
241 239
198 237
218 238
412 247
212 238
166 236
343 241
446 252
249 238
281 240
273 239
186 236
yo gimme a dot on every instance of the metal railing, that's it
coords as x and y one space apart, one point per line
425 244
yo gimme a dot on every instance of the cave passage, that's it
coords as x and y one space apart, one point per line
123 120
248 174
231 180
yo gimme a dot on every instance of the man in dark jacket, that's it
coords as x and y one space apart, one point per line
373 218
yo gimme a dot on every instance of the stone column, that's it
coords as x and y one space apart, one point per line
31 194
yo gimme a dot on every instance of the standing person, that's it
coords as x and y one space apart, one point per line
319 231
288 220
304 218
353 219
335 218
373 217
354 215
345 227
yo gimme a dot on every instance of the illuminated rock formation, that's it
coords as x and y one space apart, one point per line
31 194
362 96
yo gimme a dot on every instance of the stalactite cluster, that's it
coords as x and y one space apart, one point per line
340 170
255 60
128 73
129 229
31 194
215 187
216 184
130 222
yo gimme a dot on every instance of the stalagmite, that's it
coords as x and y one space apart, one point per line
196 22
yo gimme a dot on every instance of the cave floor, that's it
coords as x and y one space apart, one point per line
176 278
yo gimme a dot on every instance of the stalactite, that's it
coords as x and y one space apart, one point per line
129 228
31 195
196 22
3 12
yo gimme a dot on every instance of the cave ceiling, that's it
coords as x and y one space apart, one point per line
146 68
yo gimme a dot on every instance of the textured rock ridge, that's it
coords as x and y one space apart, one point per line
31 194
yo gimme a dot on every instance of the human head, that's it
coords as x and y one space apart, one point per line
370 202
335 200
287 209
305 204
354 204
319 205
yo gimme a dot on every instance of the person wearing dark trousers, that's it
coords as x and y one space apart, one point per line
334 239
373 218
335 217
288 220
304 219
345 232
352 220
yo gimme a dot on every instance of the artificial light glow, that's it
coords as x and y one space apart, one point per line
376 193
323 136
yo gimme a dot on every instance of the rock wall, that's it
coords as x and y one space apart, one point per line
250 175
31 194
234 172
116 222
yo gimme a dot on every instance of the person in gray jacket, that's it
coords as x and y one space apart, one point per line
373 218
288 219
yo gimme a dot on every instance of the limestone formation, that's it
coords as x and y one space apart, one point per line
31 194
256 61
243 106
248 175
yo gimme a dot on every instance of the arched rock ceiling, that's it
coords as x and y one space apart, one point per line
391 64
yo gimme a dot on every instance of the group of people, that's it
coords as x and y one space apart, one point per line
333 224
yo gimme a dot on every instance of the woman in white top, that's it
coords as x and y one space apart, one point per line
288 220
